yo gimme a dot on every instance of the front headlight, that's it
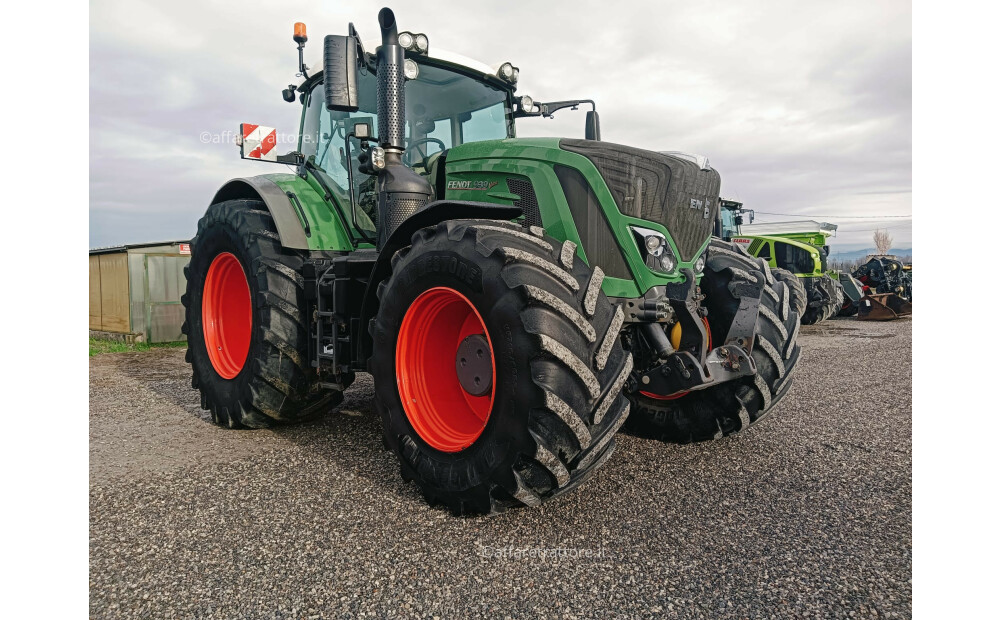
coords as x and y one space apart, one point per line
421 43
508 73
699 265
410 69
655 250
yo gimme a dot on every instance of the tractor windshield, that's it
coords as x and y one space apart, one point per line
728 223
444 108
794 258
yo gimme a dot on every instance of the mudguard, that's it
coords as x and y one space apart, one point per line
289 223
434 213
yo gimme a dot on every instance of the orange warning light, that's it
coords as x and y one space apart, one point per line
300 33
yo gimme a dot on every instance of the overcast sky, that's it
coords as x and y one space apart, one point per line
803 106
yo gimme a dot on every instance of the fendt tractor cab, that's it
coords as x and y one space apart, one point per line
514 299
798 247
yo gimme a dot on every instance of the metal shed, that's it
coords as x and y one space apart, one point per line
135 290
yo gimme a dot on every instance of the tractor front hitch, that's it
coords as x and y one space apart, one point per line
682 372
687 360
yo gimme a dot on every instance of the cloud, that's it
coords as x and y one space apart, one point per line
804 107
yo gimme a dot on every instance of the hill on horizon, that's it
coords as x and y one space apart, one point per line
855 254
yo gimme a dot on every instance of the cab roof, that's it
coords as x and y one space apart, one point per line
470 65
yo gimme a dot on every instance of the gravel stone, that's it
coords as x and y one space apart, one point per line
806 514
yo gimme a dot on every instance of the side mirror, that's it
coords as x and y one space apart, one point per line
593 130
340 72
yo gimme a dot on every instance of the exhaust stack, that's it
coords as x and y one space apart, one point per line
391 96
401 191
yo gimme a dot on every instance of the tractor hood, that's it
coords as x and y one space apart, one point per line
605 190
679 191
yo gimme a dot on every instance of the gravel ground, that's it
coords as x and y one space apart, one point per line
807 514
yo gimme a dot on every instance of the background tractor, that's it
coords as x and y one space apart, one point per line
798 249
514 299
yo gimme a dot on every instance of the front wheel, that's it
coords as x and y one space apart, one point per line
497 364
724 409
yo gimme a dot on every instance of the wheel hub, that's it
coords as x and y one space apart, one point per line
444 369
474 365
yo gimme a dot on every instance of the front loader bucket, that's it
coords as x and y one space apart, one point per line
883 307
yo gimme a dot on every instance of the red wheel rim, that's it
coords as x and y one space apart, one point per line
444 414
226 315
708 328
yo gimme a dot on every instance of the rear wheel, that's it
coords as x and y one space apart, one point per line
245 323
497 364
712 413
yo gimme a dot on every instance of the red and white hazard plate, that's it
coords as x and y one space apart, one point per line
258 142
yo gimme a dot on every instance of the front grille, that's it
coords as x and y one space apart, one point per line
528 202
670 190
599 243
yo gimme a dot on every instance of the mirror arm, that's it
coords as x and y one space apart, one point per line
293 158
548 109
366 59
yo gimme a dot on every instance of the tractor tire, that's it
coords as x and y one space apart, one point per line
553 362
827 300
839 299
797 292
713 413
245 322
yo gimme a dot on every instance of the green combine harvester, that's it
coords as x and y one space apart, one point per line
514 299
799 249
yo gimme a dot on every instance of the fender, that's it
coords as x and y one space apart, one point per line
287 221
432 214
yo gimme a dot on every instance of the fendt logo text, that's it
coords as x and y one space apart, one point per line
472 185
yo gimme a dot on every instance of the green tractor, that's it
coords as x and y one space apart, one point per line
796 251
514 299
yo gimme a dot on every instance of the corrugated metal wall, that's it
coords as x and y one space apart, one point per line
137 282
109 290
95 292
164 286
139 291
